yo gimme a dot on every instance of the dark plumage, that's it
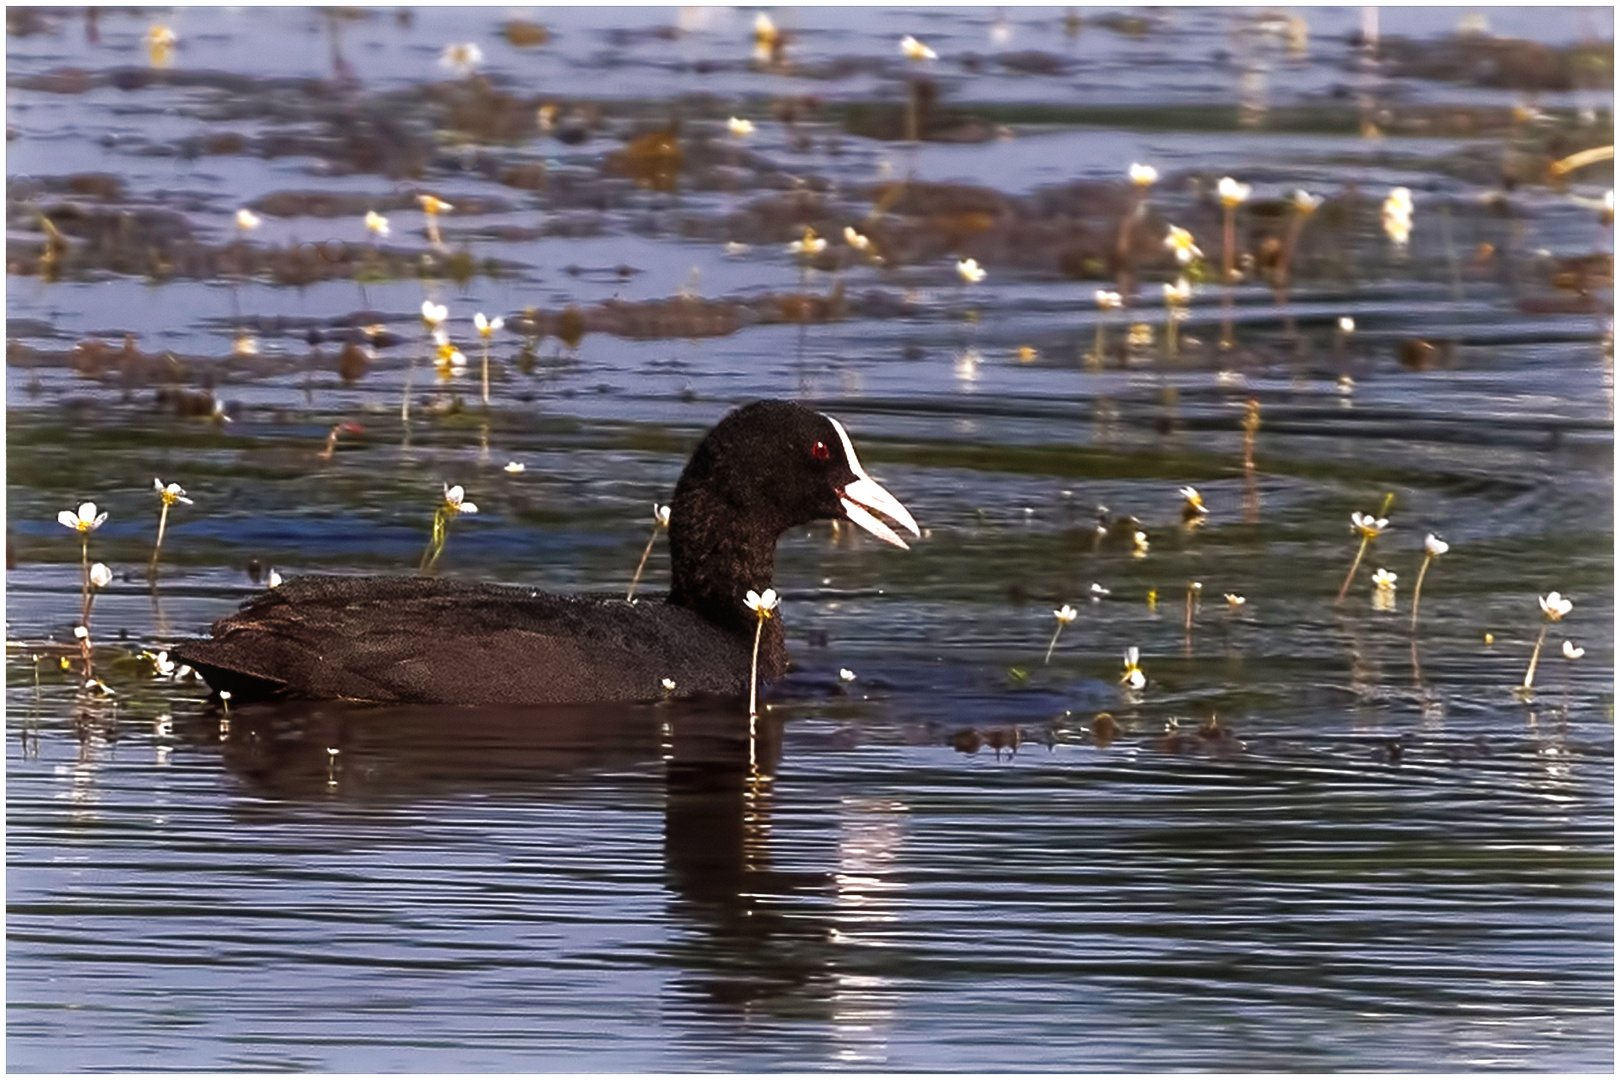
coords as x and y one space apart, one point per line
764 468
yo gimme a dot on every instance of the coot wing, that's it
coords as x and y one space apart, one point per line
427 640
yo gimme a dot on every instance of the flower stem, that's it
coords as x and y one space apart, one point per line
486 374
1122 243
435 547
1354 566
1417 590
163 524
753 673
1097 346
643 563
1228 256
1535 657
1052 644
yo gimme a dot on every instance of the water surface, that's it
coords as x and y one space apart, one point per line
1315 840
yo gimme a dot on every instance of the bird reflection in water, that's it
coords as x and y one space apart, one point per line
744 935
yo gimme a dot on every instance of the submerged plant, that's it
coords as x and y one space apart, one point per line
660 521
761 604
452 506
1065 616
1553 609
1433 548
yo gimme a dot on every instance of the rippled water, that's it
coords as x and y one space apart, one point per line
1378 857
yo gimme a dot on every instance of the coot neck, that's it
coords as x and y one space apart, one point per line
718 553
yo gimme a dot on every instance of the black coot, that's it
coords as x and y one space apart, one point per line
765 468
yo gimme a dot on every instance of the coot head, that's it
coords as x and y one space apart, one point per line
762 470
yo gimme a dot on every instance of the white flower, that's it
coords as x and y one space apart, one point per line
275 579
170 493
1573 651
1306 203
161 661
1195 501
434 314
1180 241
1097 591
1108 300
1367 525
668 684
856 240
1179 293
849 676
762 604
81 632
1139 545
247 220
100 575
1234 601
1133 672
161 37
661 515
86 520
432 204
1347 325
970 271
1435 546
912 49
376 223
1397 215
515 466
462 58
1231 192
740 127
1143 175
1555 607
487 327
1383 579
224 695
808 244
1065 614
455 501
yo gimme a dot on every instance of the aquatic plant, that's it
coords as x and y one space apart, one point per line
1232 195
1065 615
761 604
1368 528
1573 651
432 207
1133 676
376 224
740 127
1397 217
84 521
1433 548
168 495
160 44
1553 609
452 506
1383 590
1234 601
1180 242
970 271
462 58
1107 300
914 50
1176 298
1195 590
767 40
486 330
1192 504
808 244
660 521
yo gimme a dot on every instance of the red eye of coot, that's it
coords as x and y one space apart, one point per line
820 451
